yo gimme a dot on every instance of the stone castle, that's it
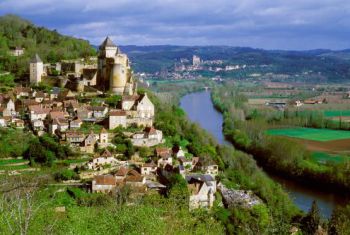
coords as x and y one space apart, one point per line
113 70
112 73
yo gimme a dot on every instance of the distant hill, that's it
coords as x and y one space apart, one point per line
327 65
49 44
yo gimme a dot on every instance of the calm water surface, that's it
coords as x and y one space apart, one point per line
199 108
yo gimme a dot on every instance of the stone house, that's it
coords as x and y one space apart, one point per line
76 124
178 152
134 179
128 101
71 105
117 118
186 163
36 112
106 158
164 160
83 113
19 123
211 169
8 107
38 125
159 151
103 183
3 122
54 114
22 92
164 156
74 138
89 144
144 107
148 138
103 138
125 176
39 96
208 167
16 51
148 168
58 124
121 174
202 190
98 111
54 93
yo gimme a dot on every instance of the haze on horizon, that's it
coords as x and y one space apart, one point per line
279 24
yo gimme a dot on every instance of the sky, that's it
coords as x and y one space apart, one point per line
268 24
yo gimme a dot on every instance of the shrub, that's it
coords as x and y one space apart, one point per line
66 174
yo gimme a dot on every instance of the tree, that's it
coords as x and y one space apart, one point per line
18 203
38 153
312 220
178 193
339 223
113 100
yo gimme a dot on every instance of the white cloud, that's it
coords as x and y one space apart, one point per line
262 23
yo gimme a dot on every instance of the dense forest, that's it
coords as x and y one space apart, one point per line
49 44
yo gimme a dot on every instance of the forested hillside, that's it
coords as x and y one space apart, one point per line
315 65
49 44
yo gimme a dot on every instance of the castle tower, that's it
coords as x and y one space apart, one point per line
114 73
36 69
107 51
118 79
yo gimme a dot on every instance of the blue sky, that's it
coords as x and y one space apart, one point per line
269 24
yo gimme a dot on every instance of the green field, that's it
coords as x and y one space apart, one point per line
12 168
322 157
336 113
8 164
11 161
72 161
311 133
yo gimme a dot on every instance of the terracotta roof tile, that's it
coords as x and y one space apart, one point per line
117 113
105 180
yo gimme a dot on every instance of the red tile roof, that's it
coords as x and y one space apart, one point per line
122 171
133 176
117 113
105 180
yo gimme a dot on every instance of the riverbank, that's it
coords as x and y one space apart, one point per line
199 108
268 150
238 171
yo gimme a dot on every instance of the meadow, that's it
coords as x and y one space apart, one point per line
322 157
322 135
336 113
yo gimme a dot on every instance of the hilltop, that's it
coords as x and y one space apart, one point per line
49 44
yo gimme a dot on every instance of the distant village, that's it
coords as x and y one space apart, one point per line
65 109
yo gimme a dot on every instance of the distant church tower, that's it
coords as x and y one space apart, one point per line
114 72
36 68
196 60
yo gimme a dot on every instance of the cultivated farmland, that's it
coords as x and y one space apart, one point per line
311 134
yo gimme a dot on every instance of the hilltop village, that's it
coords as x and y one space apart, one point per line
100 130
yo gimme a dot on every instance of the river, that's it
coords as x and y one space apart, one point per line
199 108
